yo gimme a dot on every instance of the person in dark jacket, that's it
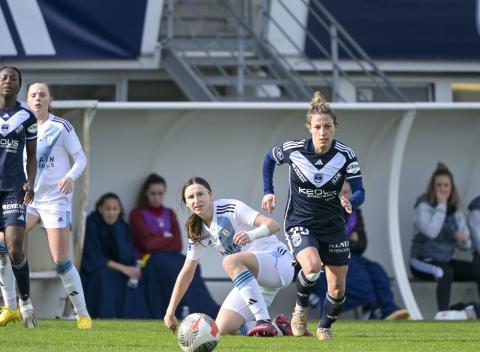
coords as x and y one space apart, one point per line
368 285
474 226
109 264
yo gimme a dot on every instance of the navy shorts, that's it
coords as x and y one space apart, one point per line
332 252
13 212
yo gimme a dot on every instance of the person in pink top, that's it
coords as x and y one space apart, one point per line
157 240
154 226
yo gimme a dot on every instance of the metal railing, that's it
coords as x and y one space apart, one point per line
241 40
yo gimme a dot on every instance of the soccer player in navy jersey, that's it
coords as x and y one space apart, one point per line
314 220
18 131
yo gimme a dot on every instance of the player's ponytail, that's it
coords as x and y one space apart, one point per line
193 226
194 223
319 105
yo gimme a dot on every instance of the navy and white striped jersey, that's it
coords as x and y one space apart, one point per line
231 216
315 184
18 125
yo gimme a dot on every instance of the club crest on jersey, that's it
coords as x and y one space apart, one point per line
296 239
318 178
19 129
225 232
4 127
49 139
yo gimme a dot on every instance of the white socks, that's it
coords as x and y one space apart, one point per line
73 285
249 289
7 278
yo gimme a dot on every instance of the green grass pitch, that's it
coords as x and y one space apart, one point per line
350 335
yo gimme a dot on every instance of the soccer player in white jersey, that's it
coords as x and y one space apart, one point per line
51 208
256 261
315 218
18 131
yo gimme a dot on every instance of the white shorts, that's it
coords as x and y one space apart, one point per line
275 271
51 219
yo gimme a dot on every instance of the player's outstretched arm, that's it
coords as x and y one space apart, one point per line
184 279
269 200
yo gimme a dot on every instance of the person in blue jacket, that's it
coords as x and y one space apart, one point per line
110 275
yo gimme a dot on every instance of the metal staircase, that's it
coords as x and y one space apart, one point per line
216 50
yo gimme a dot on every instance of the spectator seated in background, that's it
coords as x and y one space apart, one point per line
158 242
108 264
440 228
474 225
368 285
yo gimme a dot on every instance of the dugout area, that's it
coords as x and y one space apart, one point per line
398 146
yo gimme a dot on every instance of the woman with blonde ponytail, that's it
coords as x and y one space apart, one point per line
315 215
256 261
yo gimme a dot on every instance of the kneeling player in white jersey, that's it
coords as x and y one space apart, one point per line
51 208
258 263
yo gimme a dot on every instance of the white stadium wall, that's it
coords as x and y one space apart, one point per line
225 143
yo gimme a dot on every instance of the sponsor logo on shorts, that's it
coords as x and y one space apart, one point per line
342 247
13 208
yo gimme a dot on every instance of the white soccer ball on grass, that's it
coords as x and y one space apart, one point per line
198 333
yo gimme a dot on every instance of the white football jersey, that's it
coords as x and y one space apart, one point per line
231 216
56 141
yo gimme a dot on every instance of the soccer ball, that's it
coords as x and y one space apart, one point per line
198 333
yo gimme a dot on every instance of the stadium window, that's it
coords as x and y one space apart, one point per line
101 92
465 92
412 93
154 90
